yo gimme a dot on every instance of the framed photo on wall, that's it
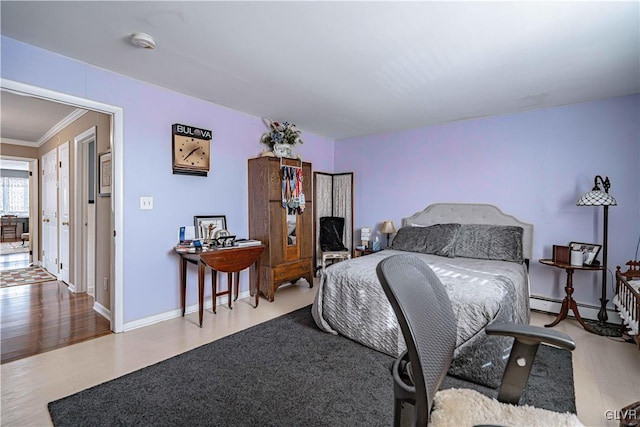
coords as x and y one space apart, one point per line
590 249
104 174
207 225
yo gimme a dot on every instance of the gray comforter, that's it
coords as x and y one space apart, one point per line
351 302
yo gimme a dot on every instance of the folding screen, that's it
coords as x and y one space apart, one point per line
333 196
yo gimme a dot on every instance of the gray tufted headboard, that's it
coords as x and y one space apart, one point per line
471 213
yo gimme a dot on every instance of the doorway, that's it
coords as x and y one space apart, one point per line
116 200
18 178
42 312
84 147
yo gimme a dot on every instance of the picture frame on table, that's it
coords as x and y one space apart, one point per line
591 249
104 174
561 254
207 225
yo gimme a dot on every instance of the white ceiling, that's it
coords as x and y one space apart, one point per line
342 69
29 121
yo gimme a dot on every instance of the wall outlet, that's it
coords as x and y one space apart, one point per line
146 203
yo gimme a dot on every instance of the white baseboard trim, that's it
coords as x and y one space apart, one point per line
71 287
537 302
102 311
221 300
553 306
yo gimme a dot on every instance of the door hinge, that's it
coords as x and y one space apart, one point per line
60 164
60 266
114 233
30 173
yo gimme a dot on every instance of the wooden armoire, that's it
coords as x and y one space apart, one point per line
288 238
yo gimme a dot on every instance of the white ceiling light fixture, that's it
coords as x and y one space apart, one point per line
143 40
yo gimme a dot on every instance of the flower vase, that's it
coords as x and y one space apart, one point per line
282 150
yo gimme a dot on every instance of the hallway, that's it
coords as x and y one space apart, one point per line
44 316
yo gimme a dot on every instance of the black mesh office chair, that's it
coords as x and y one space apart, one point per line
331 243
428 326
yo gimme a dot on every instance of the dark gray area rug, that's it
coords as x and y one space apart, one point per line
285 372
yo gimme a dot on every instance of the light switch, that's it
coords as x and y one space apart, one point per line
146 203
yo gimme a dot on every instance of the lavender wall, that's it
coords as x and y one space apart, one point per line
151 270
533 165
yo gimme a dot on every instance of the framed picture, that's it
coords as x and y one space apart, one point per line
207 225
561 254
104 174
591 249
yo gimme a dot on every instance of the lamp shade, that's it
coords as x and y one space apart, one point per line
597 198
388 227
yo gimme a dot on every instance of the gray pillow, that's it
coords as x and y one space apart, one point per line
440 239
495 242
412 239
436 239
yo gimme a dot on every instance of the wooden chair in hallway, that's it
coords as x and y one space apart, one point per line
9 227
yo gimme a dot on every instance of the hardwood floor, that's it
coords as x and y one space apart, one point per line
13 261
44 316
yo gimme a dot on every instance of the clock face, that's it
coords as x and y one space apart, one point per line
190 154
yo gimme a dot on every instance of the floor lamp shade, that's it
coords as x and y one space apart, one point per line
598 197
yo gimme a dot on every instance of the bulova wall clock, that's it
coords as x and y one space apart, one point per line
191 150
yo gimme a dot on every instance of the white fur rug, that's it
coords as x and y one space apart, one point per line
466 407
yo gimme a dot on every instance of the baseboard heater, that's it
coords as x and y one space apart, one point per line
587 311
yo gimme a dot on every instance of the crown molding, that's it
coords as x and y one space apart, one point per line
75 115
19 142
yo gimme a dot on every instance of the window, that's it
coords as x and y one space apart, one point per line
14 196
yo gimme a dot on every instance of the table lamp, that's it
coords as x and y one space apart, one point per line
388 228
597 197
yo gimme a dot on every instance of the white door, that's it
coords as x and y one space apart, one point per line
84 212
50 212
63 222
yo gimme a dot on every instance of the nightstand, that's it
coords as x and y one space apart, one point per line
361 252
568 303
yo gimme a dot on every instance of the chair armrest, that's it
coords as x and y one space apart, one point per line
531 334
403 377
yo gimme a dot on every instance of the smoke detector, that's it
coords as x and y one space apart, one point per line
143 40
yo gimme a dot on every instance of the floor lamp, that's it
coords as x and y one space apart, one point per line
597 197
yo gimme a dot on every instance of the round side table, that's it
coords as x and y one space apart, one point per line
568 302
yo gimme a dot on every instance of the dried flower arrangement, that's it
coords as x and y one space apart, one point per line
281 133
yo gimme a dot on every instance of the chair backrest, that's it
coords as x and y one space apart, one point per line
331 232
9 220
426 319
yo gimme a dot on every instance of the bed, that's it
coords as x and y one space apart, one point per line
481 256
627 299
